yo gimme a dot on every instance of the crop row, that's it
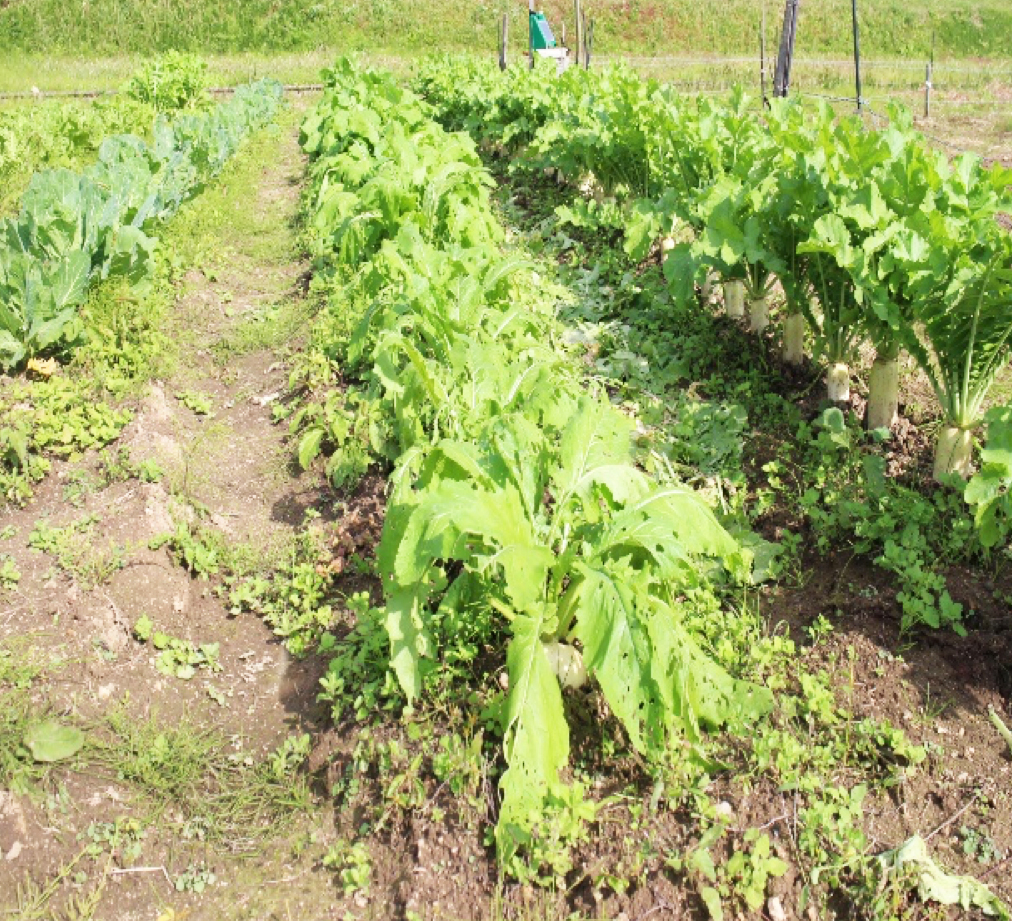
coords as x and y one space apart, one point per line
872 235
49 136
73 228
43 134
517 519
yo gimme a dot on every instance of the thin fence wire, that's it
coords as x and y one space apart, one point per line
98 94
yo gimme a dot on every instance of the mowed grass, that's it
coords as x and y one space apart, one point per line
890 28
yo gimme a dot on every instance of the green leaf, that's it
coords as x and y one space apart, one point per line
51 741
535 728
711 899
409 640
143 628
999 438
934 884
309 446
453 510
617 650
595 449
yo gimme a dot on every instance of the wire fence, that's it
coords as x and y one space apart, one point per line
960 91
97 94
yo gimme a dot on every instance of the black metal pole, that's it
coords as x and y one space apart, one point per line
857 55
581 34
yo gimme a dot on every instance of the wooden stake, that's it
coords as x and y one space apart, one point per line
927 90
579 31
857 55
588 41
503 39
782 74
530 31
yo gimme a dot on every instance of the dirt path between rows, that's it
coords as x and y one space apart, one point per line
202 459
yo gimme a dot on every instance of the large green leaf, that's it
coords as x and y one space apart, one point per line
535 729
617 649
458 511
595 449
409 638
51 741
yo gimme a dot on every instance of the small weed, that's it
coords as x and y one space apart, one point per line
979 845
195 401
123 839
150 471
544 855
195 879
197 551
76 552
272 327
215 791
289 757
33 899
177 658
750 869
294 601
10 575
352 864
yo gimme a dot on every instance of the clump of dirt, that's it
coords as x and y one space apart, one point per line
358 530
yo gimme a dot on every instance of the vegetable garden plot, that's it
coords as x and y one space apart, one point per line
557 667
35 135
76 227
872 235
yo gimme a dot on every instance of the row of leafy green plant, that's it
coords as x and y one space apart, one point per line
51 135
872 235
43 134
75 228
516 515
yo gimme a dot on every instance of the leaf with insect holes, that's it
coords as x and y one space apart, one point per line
534 726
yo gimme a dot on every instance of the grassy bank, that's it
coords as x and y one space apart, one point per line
114 27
